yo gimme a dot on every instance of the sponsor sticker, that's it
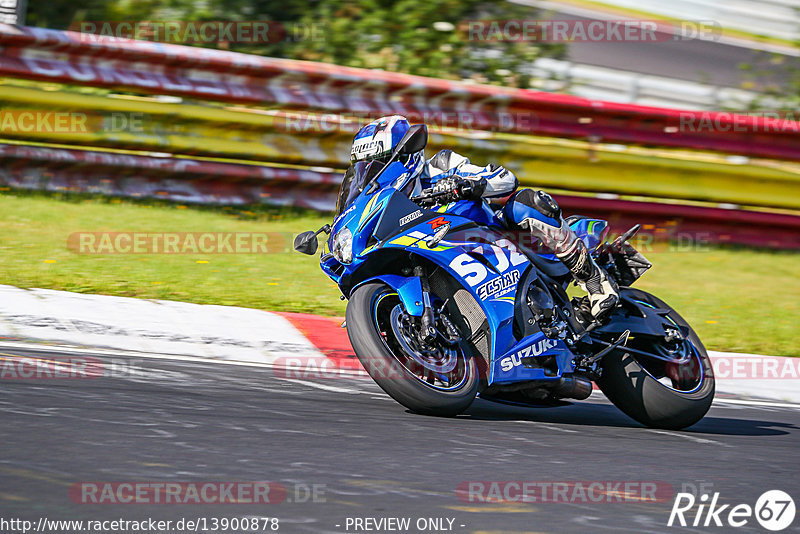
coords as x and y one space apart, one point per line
509 362
437 222
410 217
499 286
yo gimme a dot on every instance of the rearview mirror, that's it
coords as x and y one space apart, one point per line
415 139
306 243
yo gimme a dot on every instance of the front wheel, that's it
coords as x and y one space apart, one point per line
656 393
439 379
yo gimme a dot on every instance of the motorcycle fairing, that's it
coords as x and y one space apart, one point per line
591 231
484 261
525 360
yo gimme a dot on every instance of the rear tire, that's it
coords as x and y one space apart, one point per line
385 367
636 391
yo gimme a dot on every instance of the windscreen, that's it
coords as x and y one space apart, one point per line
357 177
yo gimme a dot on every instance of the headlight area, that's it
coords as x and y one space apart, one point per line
343 246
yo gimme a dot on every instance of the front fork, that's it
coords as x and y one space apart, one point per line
427 331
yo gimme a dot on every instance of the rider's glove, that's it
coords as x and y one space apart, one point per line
454 188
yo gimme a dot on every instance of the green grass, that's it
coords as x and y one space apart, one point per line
34 230
738 300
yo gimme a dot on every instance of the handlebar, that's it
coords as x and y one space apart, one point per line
463 189
428 196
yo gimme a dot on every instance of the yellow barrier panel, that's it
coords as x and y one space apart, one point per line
318 140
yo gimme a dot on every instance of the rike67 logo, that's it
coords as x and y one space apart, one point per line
774 510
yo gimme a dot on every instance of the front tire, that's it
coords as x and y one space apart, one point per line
401 376
640 386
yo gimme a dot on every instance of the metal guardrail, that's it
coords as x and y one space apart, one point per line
599 83
771 18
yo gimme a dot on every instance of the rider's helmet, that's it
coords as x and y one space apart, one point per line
377 140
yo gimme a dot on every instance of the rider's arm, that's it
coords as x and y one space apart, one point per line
499 180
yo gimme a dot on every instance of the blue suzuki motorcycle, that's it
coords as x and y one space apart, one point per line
445 305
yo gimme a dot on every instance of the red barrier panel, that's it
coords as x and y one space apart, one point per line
693 226
113 162
178 179
209 74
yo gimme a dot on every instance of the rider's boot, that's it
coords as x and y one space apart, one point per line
547 225
602 291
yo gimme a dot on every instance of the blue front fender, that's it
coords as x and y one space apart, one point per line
409 289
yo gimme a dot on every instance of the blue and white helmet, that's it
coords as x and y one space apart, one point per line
377 140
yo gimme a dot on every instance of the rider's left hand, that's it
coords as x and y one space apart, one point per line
472 189
451 189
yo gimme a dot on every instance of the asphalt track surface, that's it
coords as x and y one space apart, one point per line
705 62
191 421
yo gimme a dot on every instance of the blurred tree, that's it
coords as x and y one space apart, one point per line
425 38
775 79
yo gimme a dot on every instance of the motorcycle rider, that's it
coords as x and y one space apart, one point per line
453 176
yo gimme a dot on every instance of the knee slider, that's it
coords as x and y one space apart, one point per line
546 205
540 201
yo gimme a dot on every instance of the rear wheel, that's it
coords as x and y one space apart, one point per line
439 378
657 393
